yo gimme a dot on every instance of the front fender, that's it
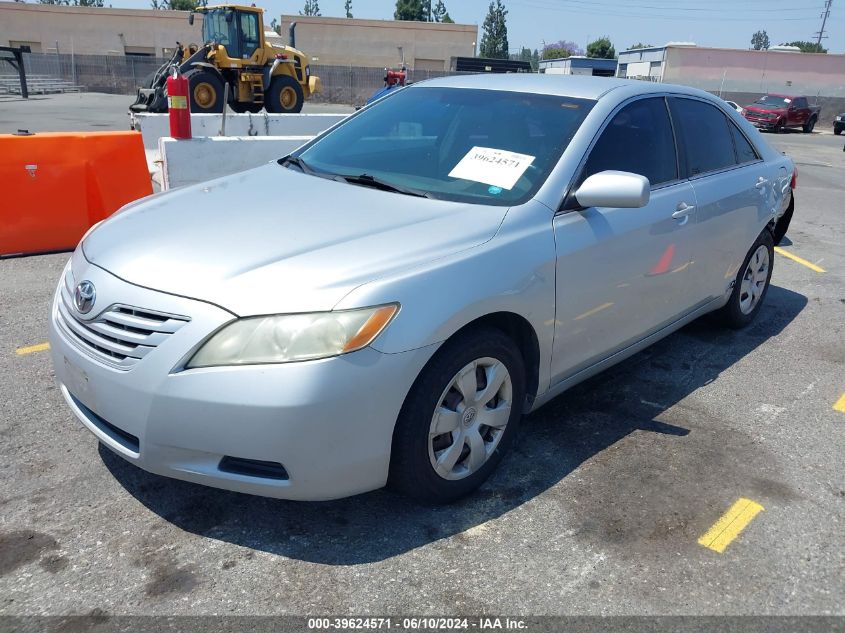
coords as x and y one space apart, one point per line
513 272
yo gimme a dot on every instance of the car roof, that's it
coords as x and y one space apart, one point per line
575 86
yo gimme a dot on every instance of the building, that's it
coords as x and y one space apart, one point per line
742 75
50 28
487 65
579 65
382 43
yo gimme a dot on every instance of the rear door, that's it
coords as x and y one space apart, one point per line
624 273
734 191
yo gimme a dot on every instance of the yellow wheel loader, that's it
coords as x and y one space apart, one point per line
236 54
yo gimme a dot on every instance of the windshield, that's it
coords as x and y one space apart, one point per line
480 146
774 102
216 28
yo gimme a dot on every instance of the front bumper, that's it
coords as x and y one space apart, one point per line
329 423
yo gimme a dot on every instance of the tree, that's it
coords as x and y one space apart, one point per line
533 58
277 28
348 8
494 42
561 49
312 7
760 41
412 10
601 48
440 14
634 47
806 47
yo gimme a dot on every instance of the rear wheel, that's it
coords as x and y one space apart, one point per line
205 91
459 418
751 284
284 95
809 125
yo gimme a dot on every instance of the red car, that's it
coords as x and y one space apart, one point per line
778 112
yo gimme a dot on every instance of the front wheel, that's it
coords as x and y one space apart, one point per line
206 92
459 418
837 131
284 95
751 284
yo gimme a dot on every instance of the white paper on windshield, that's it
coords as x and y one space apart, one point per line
496 167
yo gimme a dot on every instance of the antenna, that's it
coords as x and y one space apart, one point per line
824 17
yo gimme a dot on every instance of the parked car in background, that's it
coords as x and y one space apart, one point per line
735 106
779 112
839 124
432 275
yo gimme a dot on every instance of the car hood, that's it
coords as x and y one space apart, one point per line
764 109
274 240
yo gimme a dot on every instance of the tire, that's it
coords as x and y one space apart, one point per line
783 222
780 128
837 131
205 90
284 95
808 127
416 448
737 313
240 107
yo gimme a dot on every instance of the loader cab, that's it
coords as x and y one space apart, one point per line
237 29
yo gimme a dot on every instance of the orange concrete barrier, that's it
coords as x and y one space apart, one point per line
54 187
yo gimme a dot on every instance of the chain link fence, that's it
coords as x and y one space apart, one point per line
118 74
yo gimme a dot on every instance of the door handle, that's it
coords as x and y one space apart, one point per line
761 182
683 211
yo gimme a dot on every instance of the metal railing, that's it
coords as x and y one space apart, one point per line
118 74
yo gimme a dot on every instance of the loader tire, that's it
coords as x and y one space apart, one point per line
284 95
205 91
239 107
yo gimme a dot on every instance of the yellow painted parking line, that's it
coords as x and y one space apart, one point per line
800 260
731 523
22 351
839 405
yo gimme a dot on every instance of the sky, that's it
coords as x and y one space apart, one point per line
721 23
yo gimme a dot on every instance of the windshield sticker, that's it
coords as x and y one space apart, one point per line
494 190
787 100
496 167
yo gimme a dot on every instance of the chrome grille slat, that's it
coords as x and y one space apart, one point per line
119 336
168 327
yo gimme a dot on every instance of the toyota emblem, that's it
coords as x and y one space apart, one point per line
84 296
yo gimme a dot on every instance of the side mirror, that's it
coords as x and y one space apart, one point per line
190 18
614 189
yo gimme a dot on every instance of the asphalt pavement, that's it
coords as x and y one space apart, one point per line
599 510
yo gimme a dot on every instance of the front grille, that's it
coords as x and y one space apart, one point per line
121 335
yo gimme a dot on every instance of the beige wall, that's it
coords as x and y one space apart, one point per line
756 71
95 31
374 43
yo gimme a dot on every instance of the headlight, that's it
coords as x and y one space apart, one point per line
287 338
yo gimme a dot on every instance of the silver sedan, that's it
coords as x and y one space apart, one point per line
384 305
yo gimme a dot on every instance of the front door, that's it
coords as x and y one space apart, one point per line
624 273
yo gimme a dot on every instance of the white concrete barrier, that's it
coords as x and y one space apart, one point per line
156 126
187 162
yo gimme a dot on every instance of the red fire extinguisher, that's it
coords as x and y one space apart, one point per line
178 105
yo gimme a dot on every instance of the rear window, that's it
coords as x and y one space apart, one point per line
745 152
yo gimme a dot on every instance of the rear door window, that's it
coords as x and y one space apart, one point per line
706 139
745 152
639 140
